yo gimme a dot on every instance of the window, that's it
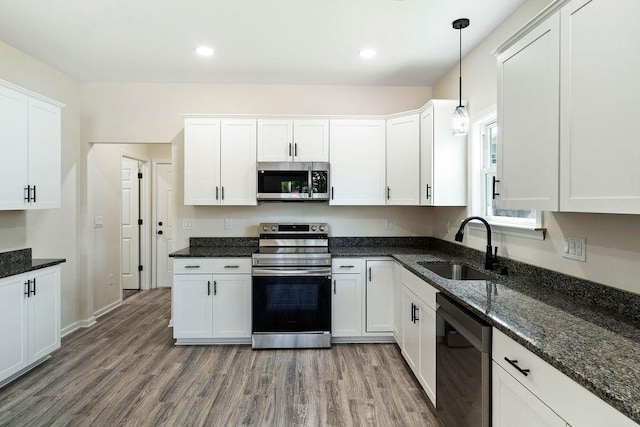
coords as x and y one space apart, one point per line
485 159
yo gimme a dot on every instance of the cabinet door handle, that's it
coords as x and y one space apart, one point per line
289 149
216 192
493 188
332 192
222 192
208 287
334 286
388 193
27 291
412 313
27 191
34 284
215 287
34 194
369 273
231 266
514 363
428 187
416 310
295 150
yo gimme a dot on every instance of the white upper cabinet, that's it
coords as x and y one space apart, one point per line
220 161
567 96
443 157
600 63
304 140
30 143
528 120
357 157
403 160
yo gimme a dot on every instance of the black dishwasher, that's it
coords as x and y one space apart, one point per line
463 366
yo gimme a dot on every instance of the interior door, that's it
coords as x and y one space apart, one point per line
164 224
130 213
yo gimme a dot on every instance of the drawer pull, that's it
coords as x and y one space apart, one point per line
347 266
514 363
191 266
231 266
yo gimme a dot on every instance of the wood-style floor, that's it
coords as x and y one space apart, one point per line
126 370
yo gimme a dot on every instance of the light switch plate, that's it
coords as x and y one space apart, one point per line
98 221
388 224
575 248
228 224
187 224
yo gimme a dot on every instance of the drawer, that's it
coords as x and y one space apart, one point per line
346 265
567 398
212 266
422 289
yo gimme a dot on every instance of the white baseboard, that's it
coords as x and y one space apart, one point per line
107 309
77 325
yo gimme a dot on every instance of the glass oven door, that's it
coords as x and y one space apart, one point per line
291 303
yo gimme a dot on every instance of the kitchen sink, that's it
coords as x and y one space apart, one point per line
455 271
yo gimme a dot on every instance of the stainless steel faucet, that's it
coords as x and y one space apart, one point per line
491 257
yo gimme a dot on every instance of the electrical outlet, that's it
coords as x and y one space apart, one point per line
575 248
388 224
187 224
98 221
110 279
228 224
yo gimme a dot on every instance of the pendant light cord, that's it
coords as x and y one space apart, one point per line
460 72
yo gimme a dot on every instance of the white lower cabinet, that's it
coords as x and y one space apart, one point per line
30 319
544 396
346 305
418 342
379 295
212 306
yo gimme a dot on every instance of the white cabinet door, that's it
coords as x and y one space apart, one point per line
397 304
13 146
346 305
357 157
14 338
238 162
443 157
44 312
201 161
379 296
410 331
192 306
311 140
528 120
275 140
44 154
231 306
426 318
514 405
403 160
600 168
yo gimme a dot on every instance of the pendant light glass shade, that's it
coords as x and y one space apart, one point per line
460 120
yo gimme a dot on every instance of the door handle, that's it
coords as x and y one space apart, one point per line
289 149
295 150
34 286
222 192
208 287
34 194
332 192
27 190
159 231
428 187
493 188
388 193
369 273
334 286
216 192
215 287
27 285
514 363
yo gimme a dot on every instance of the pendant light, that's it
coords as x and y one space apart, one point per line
460 121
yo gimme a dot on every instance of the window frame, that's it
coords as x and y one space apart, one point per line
522 227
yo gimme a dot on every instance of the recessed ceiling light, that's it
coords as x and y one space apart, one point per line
367 53
204 51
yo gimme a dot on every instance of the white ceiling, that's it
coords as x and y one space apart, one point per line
255 41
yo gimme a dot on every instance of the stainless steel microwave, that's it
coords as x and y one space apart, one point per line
293 181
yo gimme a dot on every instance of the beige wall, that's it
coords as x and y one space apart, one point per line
613 241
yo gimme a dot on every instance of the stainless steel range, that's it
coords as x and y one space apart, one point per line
292 287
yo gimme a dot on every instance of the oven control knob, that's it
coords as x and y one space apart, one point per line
274 228
314 228
323 228
265 228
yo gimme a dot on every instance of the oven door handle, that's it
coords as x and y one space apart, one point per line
291 272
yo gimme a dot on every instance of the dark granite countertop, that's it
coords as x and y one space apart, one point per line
20 261
588 331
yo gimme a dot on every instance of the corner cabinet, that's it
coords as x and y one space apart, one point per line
403 160
357 157
299 140
211 300
443 157
567 93
30 319
30 142
220 162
